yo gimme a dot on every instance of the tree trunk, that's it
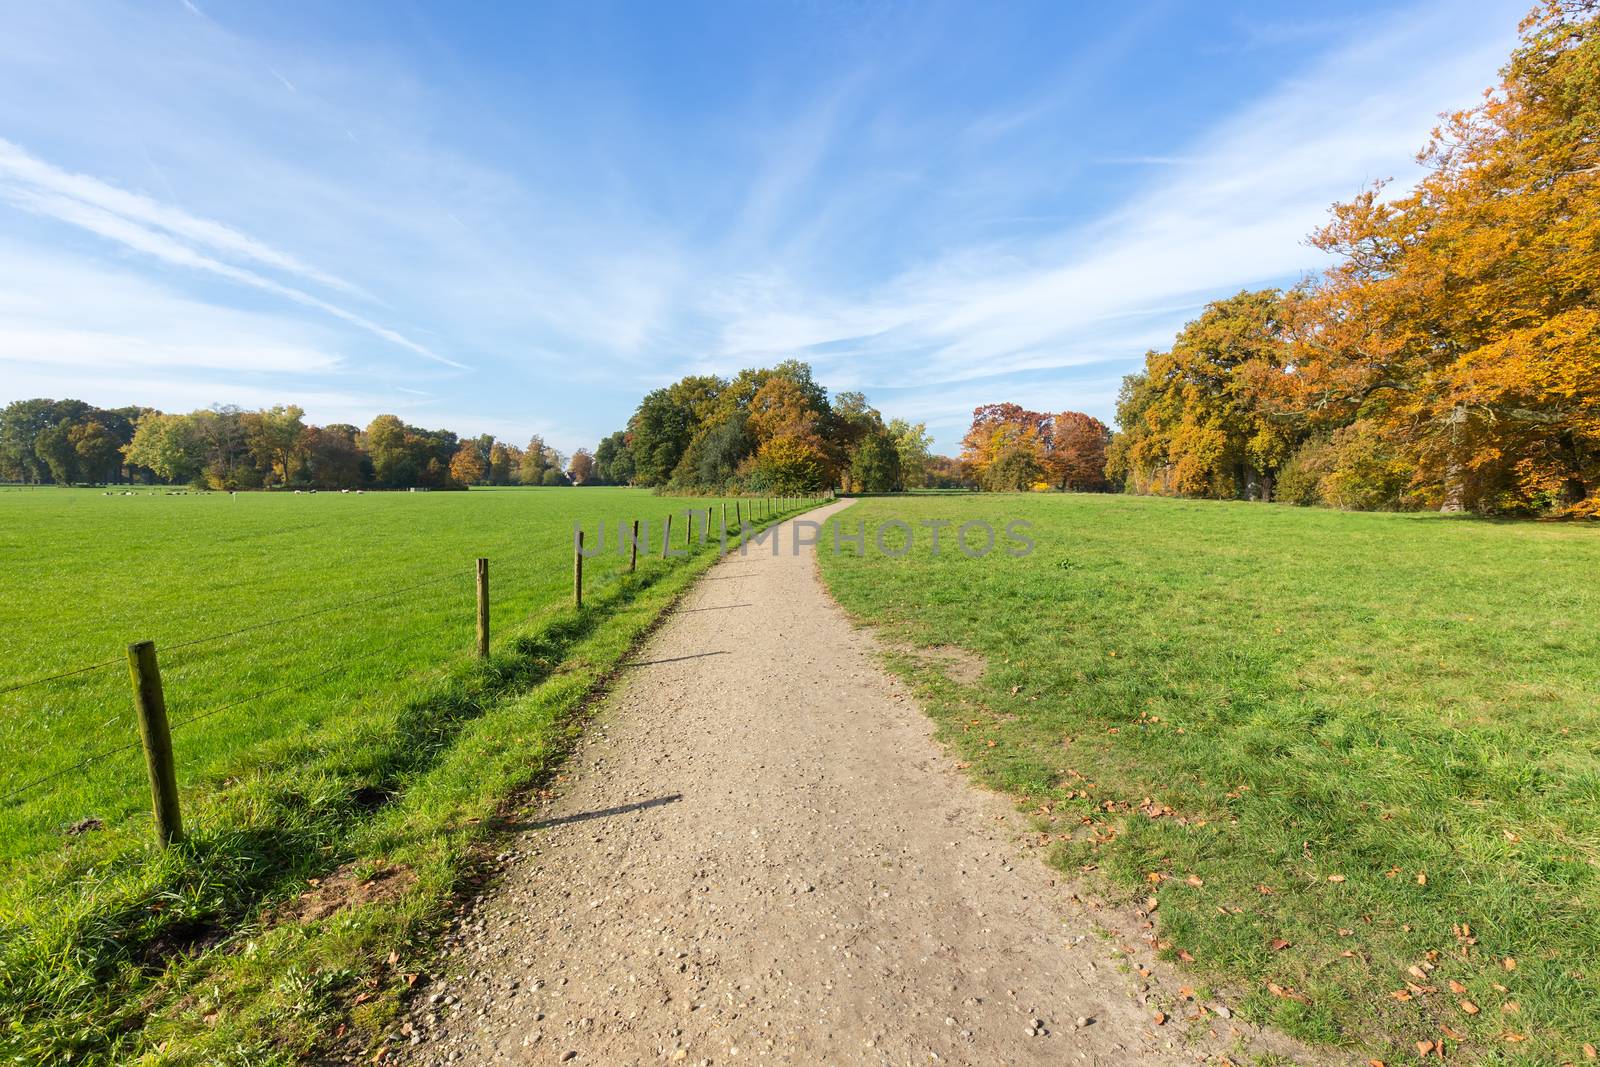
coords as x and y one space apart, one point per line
1455 488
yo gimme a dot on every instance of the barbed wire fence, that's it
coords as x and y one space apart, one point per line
149 707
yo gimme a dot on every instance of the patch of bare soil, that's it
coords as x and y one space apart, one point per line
344 888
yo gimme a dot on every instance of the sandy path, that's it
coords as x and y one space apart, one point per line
760 854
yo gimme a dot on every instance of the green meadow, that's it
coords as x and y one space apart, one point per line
330 718
1351 761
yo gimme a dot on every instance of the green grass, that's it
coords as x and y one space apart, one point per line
387 746
1373 737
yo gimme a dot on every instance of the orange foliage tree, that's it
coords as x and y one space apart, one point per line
1010 448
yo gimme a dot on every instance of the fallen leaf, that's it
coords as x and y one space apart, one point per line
1590 1052
1161 1018
1183 954
1264 890
1401 995
1278 944
1469 1007
1509 963
1448 1032
1194 881
1424 1047
1422 877
1457 987
1512 1035
1335 877
394 958
1511 1007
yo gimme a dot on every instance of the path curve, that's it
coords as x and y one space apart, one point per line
760 854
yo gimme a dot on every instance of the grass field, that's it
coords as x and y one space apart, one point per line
1354 760
330 716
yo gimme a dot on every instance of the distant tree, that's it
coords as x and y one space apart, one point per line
613 459
502 464
912 443
581 467
169 445
99 450
553 476
273 437
875 468
331 459
1076 458
535 461
467 466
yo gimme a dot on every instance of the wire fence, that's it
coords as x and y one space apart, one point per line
701 529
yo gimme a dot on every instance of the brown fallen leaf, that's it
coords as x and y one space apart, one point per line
1335 877
1194 881
1511 1007
1590 1052
1509 963
1161 1018
1457 987
394 958
1424 1047
1265 891
1469 1007
1278 944
1422 877
1401 995
1375 1063
1184 955
1445 1029
1512 1035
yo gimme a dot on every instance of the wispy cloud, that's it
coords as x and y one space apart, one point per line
173 236
1234 212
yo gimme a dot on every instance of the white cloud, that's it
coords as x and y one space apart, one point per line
106 212
1235 213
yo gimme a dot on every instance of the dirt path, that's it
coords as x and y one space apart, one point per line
760 854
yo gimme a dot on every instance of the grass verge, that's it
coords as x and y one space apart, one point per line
1351 761
113 952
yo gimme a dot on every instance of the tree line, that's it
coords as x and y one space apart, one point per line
68 442
1450 359
770 429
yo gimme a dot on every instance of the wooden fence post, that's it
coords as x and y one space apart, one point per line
156 734
483 608
738 516
666 536
577 572
633 561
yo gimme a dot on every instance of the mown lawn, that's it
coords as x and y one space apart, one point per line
1355 759
381 745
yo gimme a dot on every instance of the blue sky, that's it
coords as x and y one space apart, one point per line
518 218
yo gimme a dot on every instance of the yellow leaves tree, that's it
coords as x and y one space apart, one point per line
1464 319
467 466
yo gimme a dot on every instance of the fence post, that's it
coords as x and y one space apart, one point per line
156 734
577 571
666 537
483 608
633 561
738 518
724 515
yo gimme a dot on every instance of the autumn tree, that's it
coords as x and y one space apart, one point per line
581 467
1463 321
467 466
